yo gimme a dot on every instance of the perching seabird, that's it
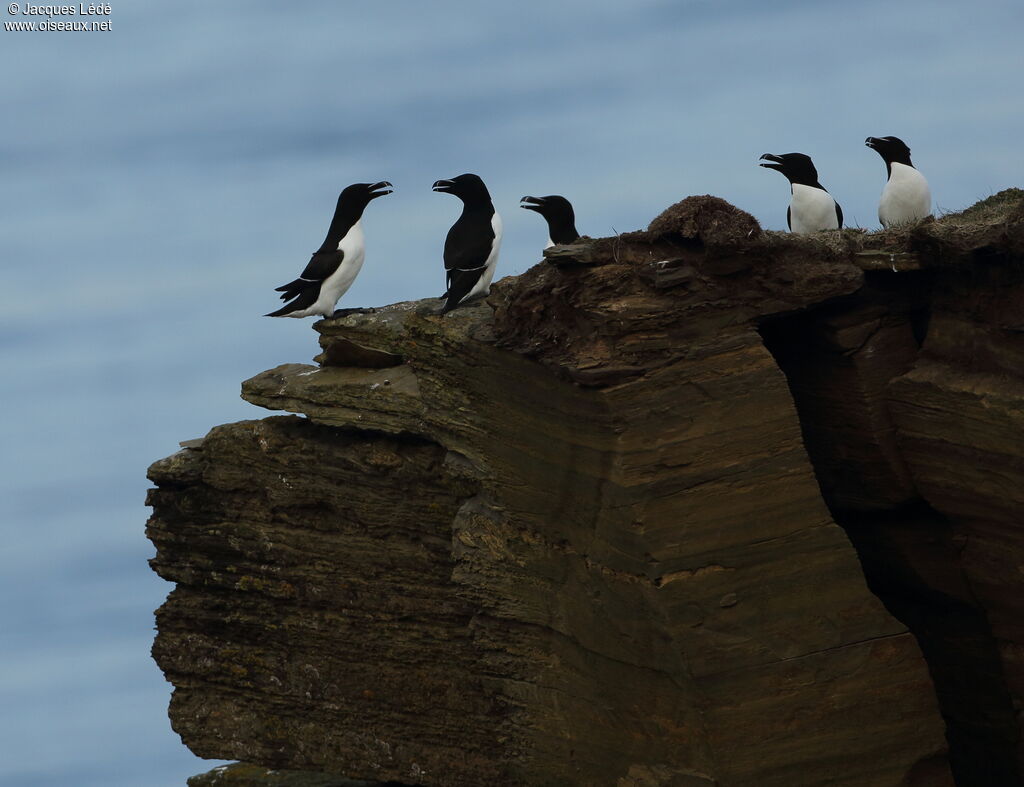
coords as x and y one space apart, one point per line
558 213
335 265
906 196
471 248
811 208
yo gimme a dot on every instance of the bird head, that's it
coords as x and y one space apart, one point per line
797 167
552 207
362 193
891 149
468 188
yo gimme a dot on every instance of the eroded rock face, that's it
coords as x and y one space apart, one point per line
577 538
910 396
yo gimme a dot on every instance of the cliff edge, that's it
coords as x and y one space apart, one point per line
697 505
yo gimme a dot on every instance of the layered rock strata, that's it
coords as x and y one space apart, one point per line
576 536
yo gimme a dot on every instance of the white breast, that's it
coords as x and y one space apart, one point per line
812 209
906 197
337 284
483 284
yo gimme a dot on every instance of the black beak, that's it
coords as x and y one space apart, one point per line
380 189
443 185
774 162
532 203
871 142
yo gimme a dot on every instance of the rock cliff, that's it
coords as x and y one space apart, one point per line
697 505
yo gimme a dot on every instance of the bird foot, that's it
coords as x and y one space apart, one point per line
347 312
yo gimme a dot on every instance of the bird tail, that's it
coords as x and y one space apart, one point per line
460 283
291 289
284 311
303 298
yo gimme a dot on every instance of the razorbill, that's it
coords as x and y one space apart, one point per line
471 248
335 265
906 196
557 212
811 208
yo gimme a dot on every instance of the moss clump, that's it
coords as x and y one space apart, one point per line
710 220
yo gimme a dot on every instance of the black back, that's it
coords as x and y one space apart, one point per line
471 237
891 149
558 213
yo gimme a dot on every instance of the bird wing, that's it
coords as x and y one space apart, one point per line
468 246
839 215
789 220
459 284
321 265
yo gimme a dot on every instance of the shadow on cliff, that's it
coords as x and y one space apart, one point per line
960 309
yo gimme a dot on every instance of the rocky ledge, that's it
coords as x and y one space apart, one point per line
697 505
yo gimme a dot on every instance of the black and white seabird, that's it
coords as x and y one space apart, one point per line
811 208
335 265
557 212
471 248
906 196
